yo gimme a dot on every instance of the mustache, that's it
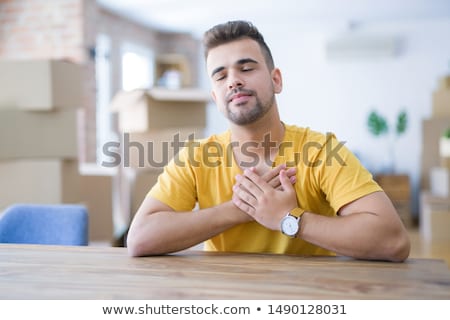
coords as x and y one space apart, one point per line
239 90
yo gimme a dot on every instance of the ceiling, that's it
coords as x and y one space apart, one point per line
196 16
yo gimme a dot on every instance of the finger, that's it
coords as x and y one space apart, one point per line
244 195
291 174
273 173
242 205
275 182
293 179
251 186
286 183
291 171
258 183
278 186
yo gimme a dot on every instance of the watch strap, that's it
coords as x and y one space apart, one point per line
297 212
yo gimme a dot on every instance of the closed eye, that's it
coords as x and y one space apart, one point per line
219 77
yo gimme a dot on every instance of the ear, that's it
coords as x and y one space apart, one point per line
277 80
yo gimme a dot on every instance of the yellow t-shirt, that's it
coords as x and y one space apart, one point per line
328 177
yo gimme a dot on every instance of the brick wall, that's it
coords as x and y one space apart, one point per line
33 29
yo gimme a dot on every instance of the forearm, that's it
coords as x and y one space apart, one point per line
360 235
169 231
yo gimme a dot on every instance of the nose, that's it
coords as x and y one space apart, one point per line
234 81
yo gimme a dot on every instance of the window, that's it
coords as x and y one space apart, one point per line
104 127
137 67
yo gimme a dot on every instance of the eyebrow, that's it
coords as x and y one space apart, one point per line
239 62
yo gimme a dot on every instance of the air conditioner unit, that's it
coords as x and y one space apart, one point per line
359 46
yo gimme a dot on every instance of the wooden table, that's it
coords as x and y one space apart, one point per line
53 272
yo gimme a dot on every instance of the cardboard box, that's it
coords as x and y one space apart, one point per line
40 85
155 148
396 186
143 182
25 134
39 181
166 63
434 218
432 130
159 108
398 189
441 103
445 163
55 181
444 83
440 182
96 194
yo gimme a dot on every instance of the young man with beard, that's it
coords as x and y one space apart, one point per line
263 185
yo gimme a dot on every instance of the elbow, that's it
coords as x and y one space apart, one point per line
138 246
400 247
135 248
135 251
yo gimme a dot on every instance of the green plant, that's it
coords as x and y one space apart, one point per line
446 133
378 124
402 122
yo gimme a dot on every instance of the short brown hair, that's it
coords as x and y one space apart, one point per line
236 30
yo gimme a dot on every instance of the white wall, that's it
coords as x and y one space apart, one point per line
337 96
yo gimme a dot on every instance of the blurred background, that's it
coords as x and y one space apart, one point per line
375 73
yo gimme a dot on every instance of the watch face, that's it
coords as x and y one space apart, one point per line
289 226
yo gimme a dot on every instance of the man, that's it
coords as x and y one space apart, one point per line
264 186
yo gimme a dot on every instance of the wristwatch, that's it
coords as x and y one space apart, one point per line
290 224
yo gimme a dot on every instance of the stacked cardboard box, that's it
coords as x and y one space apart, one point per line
96 192
153 125
39 105
144 179
39 101
160 109
30 134
441 109
434 218
435 198
39 85
44 180
432 130
441 98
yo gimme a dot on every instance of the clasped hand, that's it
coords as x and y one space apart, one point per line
266 198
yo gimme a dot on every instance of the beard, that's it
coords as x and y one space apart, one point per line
246 114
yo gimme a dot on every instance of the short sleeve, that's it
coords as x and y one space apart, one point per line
340 175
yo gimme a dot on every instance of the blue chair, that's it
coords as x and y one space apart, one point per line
49 224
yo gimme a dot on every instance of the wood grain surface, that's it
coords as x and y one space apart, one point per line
54 272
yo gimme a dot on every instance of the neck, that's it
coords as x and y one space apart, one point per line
269 126
258 142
